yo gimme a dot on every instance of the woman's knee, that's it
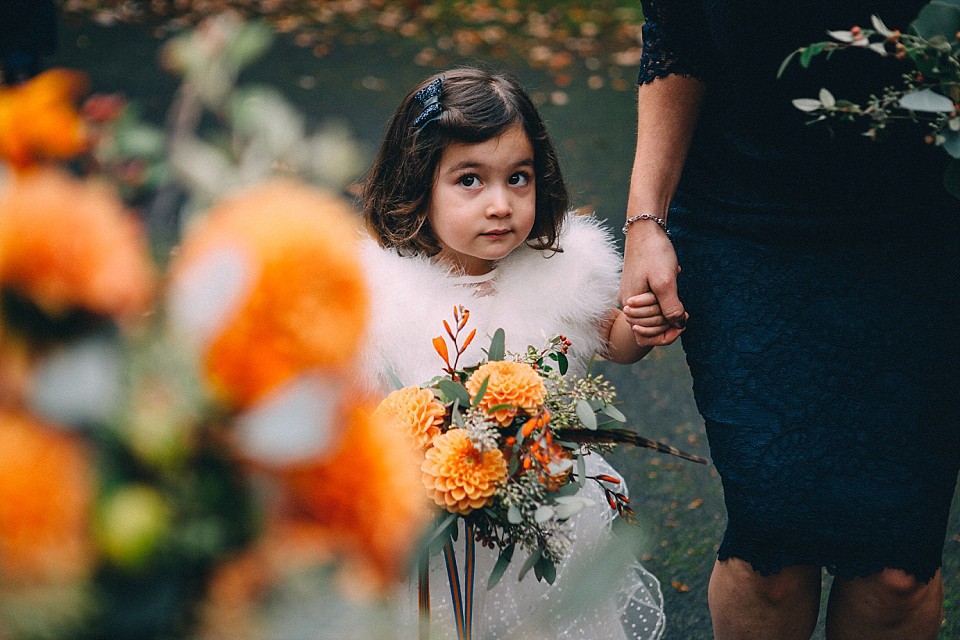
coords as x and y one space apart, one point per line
898 591
776 589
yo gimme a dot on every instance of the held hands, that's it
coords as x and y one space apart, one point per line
648 287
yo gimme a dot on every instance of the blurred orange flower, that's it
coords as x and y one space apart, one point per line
510 383
39 119
457 476
365 497
66 244
416 412
46 492
306 306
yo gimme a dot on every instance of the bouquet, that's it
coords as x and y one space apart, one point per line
929 93
503 445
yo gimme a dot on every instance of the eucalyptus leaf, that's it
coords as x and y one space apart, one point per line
586 415
454 391
614 413
927 100
530 562
513 515
394 380
581 470
503 561
250 42
546 569
567 490
497 349
543 513
482 391
566 511
442 532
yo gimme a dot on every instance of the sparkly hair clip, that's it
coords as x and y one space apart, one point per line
429 99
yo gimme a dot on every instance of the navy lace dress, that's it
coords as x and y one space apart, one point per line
821 271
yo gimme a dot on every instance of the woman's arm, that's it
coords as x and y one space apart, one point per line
667 114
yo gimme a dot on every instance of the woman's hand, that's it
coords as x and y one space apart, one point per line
648 286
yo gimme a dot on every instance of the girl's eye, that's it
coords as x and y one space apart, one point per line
519 179
470 181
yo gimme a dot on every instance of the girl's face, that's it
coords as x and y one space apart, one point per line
483 204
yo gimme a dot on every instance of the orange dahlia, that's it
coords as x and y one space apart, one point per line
364 500
457 476
305 306
39 119
69 244
513 384
416 412
46 492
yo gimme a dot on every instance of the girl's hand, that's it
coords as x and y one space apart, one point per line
648 286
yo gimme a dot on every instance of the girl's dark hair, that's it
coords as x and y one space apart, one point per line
476 106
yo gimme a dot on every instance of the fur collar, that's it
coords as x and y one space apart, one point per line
536 295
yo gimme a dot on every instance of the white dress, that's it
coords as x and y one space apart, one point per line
532 296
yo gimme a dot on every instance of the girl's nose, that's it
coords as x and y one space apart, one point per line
499 205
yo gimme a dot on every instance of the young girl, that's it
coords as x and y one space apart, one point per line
467 206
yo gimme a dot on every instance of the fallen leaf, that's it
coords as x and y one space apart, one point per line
679 586
696 503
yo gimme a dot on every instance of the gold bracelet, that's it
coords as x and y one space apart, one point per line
646 216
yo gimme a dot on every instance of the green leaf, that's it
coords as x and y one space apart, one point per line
531 561
543 513
562 363
482 391
503 561
394 380
810 51
937 19
786 62
581 470
442 532
546 569
513 515
456 417
951 143
586 415
454 391
928 101
614 413
497 349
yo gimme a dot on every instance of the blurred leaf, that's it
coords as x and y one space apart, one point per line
952 143
927 100
250 42
80 383
938 18
294 423
807 104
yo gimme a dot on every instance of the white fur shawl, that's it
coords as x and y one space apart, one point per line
537 295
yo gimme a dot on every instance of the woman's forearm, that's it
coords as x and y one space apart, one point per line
667 110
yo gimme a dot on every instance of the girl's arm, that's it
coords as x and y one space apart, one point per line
667 114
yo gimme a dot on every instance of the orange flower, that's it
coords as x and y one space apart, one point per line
364 499
46 491
39 119
69 244
457 476
510 383
416 412
306 306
